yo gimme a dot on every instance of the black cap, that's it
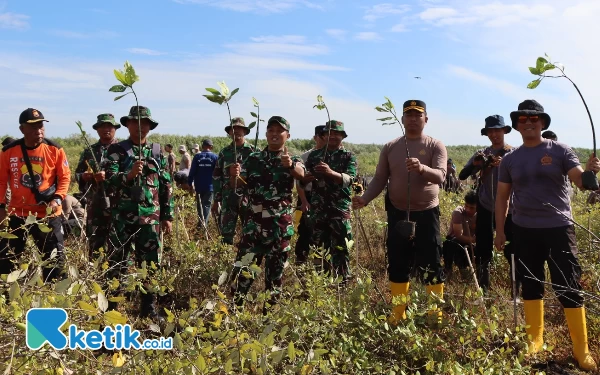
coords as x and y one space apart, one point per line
417 105
495 122
207 142
31 116
530 107
319 129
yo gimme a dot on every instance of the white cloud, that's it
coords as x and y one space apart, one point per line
337 33
398 28
260 6
297 39
367 36
82 35
432 14
14 21
145 51
278 46
378 11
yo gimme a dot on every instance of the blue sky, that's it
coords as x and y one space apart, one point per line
472 56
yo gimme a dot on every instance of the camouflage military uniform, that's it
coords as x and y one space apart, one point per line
223 192
269 225
98 213
330 205
137 223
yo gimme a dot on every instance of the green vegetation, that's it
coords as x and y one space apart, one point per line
316 329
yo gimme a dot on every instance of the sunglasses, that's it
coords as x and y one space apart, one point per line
533 119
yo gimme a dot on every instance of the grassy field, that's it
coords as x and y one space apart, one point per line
317 328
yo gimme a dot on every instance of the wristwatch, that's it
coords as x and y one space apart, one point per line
58 201
293 166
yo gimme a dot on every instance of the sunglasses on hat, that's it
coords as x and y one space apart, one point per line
533 119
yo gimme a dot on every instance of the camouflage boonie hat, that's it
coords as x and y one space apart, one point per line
279 120
335 125
144 113
239 122
106 118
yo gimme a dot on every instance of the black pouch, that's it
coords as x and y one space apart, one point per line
406 228
589 181
44 196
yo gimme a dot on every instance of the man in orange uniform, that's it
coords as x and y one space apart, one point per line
37 172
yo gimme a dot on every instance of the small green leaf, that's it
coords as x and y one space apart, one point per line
130 75
535 71
120 77
255 101
224 88
120 96
379 109
8 236
549 67
540 62
44 228
213 91
233 92
385 119
215 99
31 219
253 114
117 88
252 124
535 83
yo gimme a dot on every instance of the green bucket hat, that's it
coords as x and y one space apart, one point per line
279 120
106 118
239 122
335 125
144 113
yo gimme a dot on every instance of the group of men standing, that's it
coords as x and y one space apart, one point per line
523 196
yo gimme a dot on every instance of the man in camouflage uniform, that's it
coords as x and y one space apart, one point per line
138 216
269 176
332 170
91 184
224 193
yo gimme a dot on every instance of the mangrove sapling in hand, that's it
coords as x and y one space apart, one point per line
96 166
320 106
406 228
544 65
257 122
127 78
220 97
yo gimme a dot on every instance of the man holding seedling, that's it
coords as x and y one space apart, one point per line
542 226
332 170
269 176
171 159
225 194
37 172
422 173
91 177
143 204
304 197
486 162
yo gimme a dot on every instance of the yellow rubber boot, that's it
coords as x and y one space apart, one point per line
399 311
534 318
578 331
438 290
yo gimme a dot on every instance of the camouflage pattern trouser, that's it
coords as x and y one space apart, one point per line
97 228
331 234
274 262
124 237
229 217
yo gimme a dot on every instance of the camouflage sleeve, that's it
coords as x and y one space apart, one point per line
349 175
114 176
218 179
165 192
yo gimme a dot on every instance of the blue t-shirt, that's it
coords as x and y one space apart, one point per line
201 171
537 175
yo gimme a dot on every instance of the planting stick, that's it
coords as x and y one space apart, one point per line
514 288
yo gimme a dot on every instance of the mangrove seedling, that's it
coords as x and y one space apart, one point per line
320 106
543 65
224 96
96 167
257 122
406 227
127 77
